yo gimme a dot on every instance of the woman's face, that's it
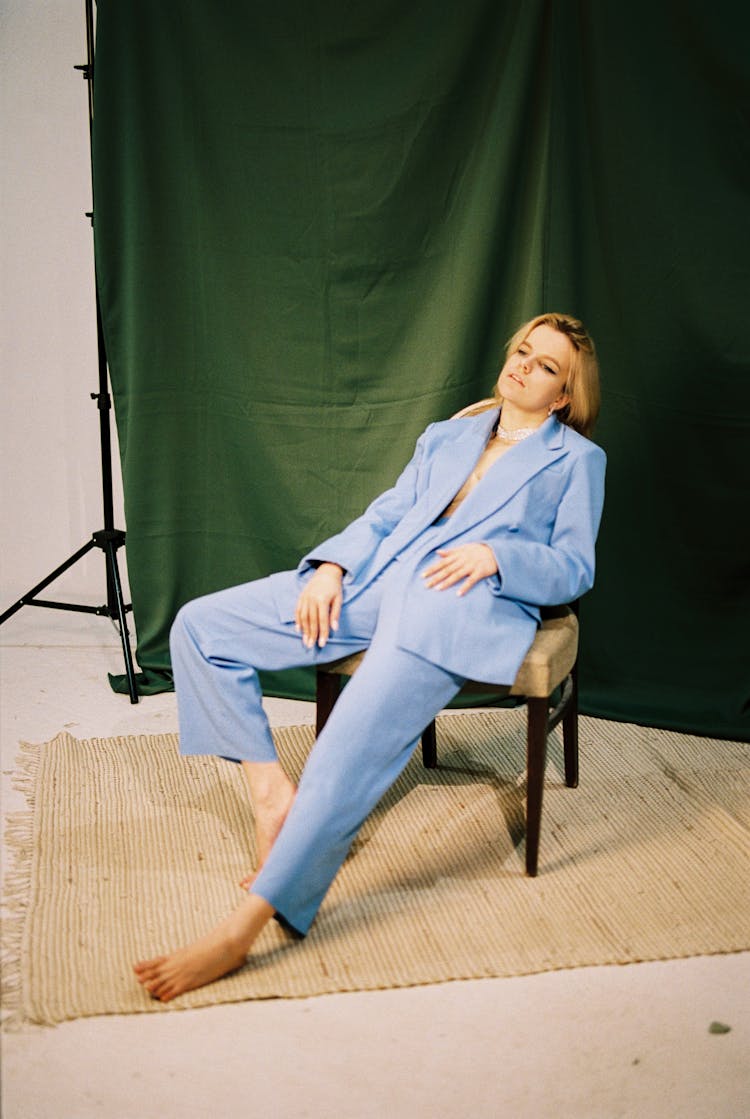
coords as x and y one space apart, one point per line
534 375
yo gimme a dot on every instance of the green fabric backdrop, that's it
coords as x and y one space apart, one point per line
317 222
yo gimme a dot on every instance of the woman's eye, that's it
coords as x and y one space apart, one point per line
549 369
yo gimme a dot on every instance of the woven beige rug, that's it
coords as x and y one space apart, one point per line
128 850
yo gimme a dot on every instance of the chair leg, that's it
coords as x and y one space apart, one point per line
327 687
536 756
429 747
570 734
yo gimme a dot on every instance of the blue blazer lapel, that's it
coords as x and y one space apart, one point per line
459 456
509 474
452 462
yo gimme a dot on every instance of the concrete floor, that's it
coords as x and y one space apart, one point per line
594 1043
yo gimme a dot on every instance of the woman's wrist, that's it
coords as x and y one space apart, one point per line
332 568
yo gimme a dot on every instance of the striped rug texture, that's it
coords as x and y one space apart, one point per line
127 850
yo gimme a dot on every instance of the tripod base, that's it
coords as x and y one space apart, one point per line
109 540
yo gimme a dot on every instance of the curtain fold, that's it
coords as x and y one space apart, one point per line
317 223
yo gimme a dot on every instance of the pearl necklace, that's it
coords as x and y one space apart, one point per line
514 436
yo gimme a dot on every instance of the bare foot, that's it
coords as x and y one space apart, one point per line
271 804
217 953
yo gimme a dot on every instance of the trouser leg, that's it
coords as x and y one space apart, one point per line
362 749
220 642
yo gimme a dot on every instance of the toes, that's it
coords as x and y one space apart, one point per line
163 991
156 977
161 986
148 969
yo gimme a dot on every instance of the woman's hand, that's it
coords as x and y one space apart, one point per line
470 562
319 606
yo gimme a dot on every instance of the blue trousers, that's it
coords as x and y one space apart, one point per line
219 643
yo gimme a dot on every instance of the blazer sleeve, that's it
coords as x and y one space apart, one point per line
562 570
354 546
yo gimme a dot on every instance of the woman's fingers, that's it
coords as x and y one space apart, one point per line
316 614
446 577
438 564
336 611
328 613
306 619
470 581
323 621
436 572
445 571
311 621
466 564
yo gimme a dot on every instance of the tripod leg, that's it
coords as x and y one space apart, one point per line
114 574
31 595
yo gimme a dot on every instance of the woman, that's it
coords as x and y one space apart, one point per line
500 507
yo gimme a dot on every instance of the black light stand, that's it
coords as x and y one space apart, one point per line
109 539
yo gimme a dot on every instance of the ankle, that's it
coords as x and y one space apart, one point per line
249 918
272 795
269 784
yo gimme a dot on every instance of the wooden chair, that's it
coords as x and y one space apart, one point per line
549 664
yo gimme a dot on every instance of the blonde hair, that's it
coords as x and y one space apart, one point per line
582 382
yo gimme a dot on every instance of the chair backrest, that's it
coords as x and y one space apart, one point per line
475 408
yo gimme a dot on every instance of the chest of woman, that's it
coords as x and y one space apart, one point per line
489 456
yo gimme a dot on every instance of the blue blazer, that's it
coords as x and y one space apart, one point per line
538 508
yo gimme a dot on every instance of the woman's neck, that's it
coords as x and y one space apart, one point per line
512 417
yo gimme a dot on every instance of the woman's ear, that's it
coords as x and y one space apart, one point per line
562 400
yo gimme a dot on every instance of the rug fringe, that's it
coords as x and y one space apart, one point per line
19 838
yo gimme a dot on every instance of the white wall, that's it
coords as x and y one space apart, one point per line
49 426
